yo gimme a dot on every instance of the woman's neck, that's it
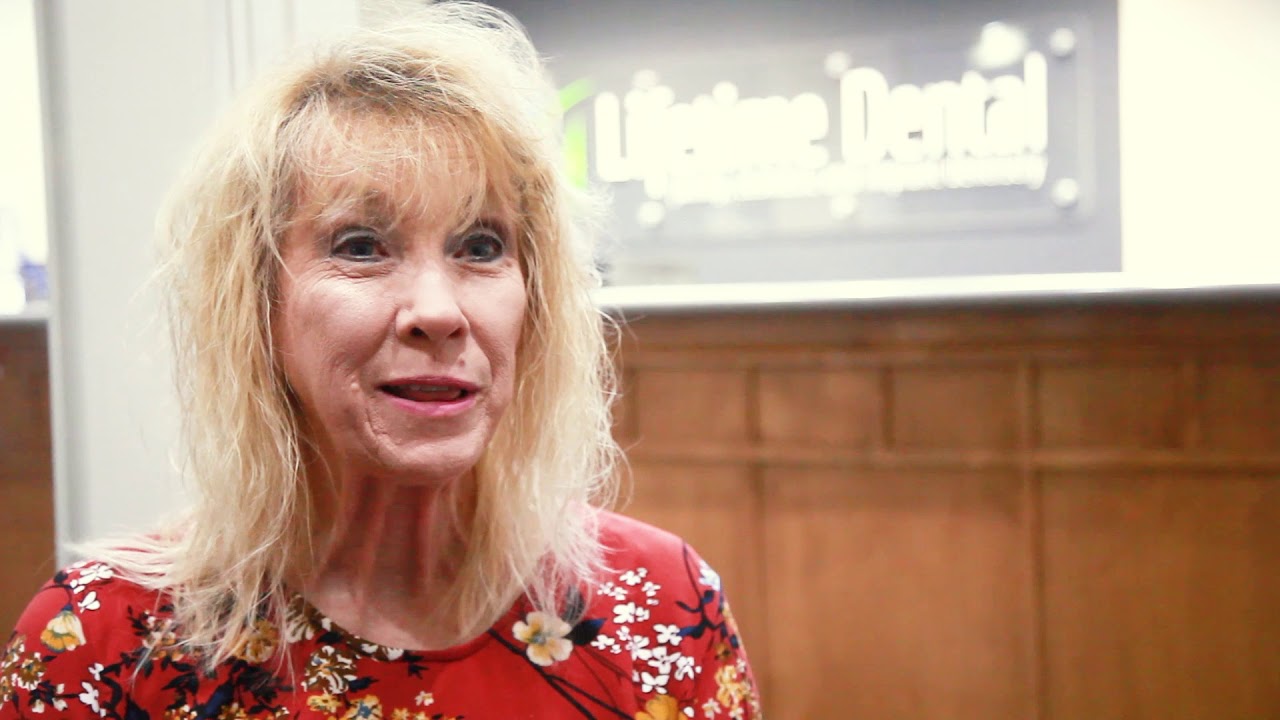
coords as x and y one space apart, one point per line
388 561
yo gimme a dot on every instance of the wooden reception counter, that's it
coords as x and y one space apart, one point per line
1055 510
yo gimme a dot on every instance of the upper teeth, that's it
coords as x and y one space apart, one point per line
431 388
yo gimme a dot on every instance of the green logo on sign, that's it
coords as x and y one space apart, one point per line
575 131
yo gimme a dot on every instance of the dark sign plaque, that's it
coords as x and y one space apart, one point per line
966 147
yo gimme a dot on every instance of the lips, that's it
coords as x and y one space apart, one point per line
430 390
425 393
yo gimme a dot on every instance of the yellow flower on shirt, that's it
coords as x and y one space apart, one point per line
369 708
546 636
662 707
261 644
732 689
324 703
63 632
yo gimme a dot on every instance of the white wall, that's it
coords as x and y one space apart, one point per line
22 210
130 86
1200 138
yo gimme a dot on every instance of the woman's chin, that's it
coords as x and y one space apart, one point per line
427 466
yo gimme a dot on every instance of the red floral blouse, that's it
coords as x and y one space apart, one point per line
658 642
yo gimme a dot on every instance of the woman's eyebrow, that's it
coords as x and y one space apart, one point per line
369 205
492 219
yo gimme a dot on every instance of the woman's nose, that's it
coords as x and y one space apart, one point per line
430 308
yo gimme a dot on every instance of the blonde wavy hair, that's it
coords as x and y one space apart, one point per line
465 73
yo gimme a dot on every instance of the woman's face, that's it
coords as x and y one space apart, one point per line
397 324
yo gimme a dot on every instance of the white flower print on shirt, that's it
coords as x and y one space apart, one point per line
611 590
636 646
624 613
87 574
686 667
651 683
655 650
660 660
634 577
391 654
90 697
96 573
668 634
709 577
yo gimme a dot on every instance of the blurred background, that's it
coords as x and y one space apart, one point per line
953 329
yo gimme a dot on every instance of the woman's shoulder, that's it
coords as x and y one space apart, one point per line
662 606
640 555
93 579
81 622
626 537
89 603
648 550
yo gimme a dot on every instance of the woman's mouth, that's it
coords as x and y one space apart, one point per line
422 392
437 397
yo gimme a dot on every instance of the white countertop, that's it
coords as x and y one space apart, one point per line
933 291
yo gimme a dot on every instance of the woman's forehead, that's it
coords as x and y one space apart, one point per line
393 172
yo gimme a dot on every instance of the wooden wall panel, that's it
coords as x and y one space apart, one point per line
712 405
1242 406
820 407
1162 596
1111 404
954 406
987 512
896 596
26 470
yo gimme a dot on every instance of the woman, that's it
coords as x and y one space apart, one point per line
395 391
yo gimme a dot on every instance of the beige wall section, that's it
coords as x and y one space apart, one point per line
129 87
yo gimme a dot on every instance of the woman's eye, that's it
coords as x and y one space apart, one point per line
357 245
481 246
